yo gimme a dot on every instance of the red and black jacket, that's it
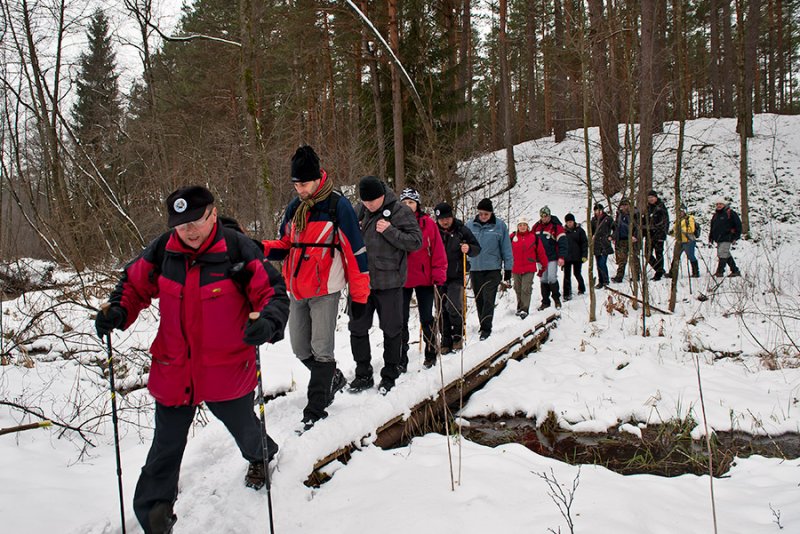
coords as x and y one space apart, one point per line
204 302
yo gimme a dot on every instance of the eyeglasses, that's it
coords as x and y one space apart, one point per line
195 224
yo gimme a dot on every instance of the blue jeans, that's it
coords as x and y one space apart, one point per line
602 268
689 248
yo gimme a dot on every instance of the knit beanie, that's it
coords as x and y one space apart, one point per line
370 188
305 165
485 205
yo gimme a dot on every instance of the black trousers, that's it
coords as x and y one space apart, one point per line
425 307
655 254
389 305
484 285
451 312
159 478
573 268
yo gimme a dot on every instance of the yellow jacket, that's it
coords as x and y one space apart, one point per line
687 229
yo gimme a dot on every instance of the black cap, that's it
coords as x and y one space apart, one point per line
485 205
624 202
443 210
652 193
599 207
187 204
370 188
305 165
569 217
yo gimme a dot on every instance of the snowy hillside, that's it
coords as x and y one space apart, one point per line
743 342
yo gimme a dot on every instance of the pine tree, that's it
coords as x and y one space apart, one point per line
97 112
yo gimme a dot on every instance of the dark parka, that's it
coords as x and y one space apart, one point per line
577 244
625 227
387 252
658 221
452 238
725 226
601 232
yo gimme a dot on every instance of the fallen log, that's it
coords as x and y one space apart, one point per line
427 415
618 292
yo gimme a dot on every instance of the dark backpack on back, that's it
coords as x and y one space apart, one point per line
696 227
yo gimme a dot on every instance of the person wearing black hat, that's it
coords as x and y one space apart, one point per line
322 250
208 279
390 232
492 266
459 243
577 253
655 226
724 230
601 239
626 239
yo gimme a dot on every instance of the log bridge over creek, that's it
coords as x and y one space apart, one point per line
429 413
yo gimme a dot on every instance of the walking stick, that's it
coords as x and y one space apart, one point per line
689 276
103 309
464 308
253 316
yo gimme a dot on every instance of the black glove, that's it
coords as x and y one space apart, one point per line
258 332
357 309
507 276
259 244
109 319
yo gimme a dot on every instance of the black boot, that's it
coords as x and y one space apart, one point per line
545 288
320 391
734 268
695 269
721 267
161 518
556 295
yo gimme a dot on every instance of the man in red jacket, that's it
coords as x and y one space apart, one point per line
208 279
427 268
321 247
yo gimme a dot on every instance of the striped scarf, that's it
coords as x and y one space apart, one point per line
300 218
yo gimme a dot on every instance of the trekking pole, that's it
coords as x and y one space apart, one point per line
115 422
464 309
253 316
688 270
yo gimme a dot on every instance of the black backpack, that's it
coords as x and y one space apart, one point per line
696 227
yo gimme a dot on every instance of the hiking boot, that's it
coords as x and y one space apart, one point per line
402 367
385 386
557 302
657 277
734 274
601 285
256 477
337 384
360 383
161 518
617 279
446 349
567 297
522 315
458 343
543 306
485 335
429 362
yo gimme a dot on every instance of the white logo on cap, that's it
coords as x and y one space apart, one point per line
180 205
438 213
387 212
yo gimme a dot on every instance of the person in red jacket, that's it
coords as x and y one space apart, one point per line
208 279
529 259
321 247
427 268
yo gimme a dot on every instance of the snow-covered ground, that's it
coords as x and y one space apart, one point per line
593 376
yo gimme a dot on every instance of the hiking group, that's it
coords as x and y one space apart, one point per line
219 297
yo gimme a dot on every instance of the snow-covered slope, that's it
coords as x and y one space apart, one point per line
591 375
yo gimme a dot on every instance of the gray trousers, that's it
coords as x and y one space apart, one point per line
312 326
523 286
550 275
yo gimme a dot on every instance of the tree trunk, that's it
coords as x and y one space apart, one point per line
375 84
646 100
558 74
604 102
729 61
397 102
505 97
743 110
714 60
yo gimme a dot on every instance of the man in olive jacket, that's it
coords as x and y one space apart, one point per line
390 231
